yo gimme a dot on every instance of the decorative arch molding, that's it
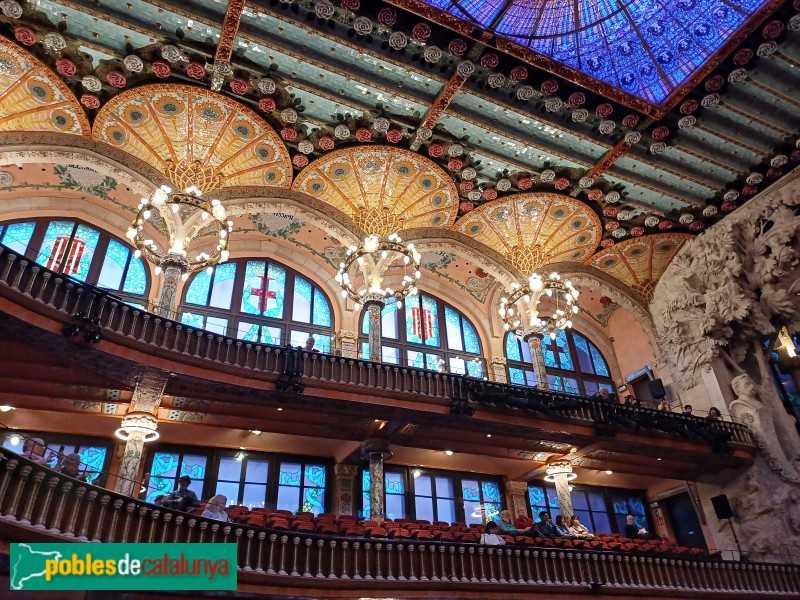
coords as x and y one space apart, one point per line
23 148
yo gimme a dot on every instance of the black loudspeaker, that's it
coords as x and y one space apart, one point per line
657 390
722 507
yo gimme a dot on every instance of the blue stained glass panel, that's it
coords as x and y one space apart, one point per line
222 290
81 252
114 263
290 474
475 368
471 342
193 320
301 305
394 483
198 289
366 506
536 496
254 298
600 365
517 376
17 236
491 491
512 347
247 332
322 310
314 500
470 490
136 279
584 358
93 459
162 474
276 288
314 476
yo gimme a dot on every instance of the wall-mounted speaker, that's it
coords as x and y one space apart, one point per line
657 390
722 507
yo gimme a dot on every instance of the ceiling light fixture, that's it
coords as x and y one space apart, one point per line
255 431
448 452
519 309
6 408
609 472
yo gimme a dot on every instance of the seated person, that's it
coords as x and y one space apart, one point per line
632 530
562 530
523 521
215 508
631 400
505 525
490 536
34 449
181 499
71 466
578 529
544 528
714 414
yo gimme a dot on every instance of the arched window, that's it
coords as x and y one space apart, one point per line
81 251
426 333
259 301
573 363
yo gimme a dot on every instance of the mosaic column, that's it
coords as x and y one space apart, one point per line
560 473
516 492
348 343
139 427
497 367
534 340
374 304
376 451
343 500
174 266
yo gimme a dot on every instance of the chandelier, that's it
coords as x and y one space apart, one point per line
173 207
361 274
520 310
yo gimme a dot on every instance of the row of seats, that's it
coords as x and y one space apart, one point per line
400 529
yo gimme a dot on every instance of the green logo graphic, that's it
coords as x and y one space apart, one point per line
123 566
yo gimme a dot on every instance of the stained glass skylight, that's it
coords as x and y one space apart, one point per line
643 47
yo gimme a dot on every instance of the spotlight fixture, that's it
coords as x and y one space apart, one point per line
448 452
255 431
609 472
6 408
416 473
240 456
14 440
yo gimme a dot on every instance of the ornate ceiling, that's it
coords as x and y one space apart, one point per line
194 136
425 122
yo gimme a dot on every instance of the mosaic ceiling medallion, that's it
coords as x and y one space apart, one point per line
195 137
33 98
533 230
640 262
645 48
383 189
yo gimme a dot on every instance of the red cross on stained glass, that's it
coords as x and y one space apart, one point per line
264 294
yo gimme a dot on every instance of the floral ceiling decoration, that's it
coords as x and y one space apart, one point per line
33 98
194 136
639 263
383 189
534 230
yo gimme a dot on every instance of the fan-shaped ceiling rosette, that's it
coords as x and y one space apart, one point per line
383 189
534 230
195 137
33 98
640 262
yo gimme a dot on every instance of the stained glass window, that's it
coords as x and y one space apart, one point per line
482 500
301 488
428 322
94 454
80 251
628 504
433 498
243 480
167 467
646 49
572 362
257 301
17 236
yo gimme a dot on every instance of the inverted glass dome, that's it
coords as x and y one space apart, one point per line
643 47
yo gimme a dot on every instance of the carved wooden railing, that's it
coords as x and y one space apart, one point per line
36 503
62 298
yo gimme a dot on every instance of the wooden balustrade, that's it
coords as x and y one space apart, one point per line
65 299
64 509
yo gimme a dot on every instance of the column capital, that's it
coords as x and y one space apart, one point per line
373 300
174 260
376 446
346 334
343 471
498 360
517 487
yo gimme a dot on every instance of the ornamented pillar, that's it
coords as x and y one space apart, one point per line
534 340
348 343
343 501
515 496
174 266
139 427
560 473
376 450
497 367
374 304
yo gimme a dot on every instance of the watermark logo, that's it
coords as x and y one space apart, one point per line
123 566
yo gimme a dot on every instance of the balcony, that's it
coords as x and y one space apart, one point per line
27 286
38 504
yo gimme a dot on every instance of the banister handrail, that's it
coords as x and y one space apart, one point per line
37 502
93 311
